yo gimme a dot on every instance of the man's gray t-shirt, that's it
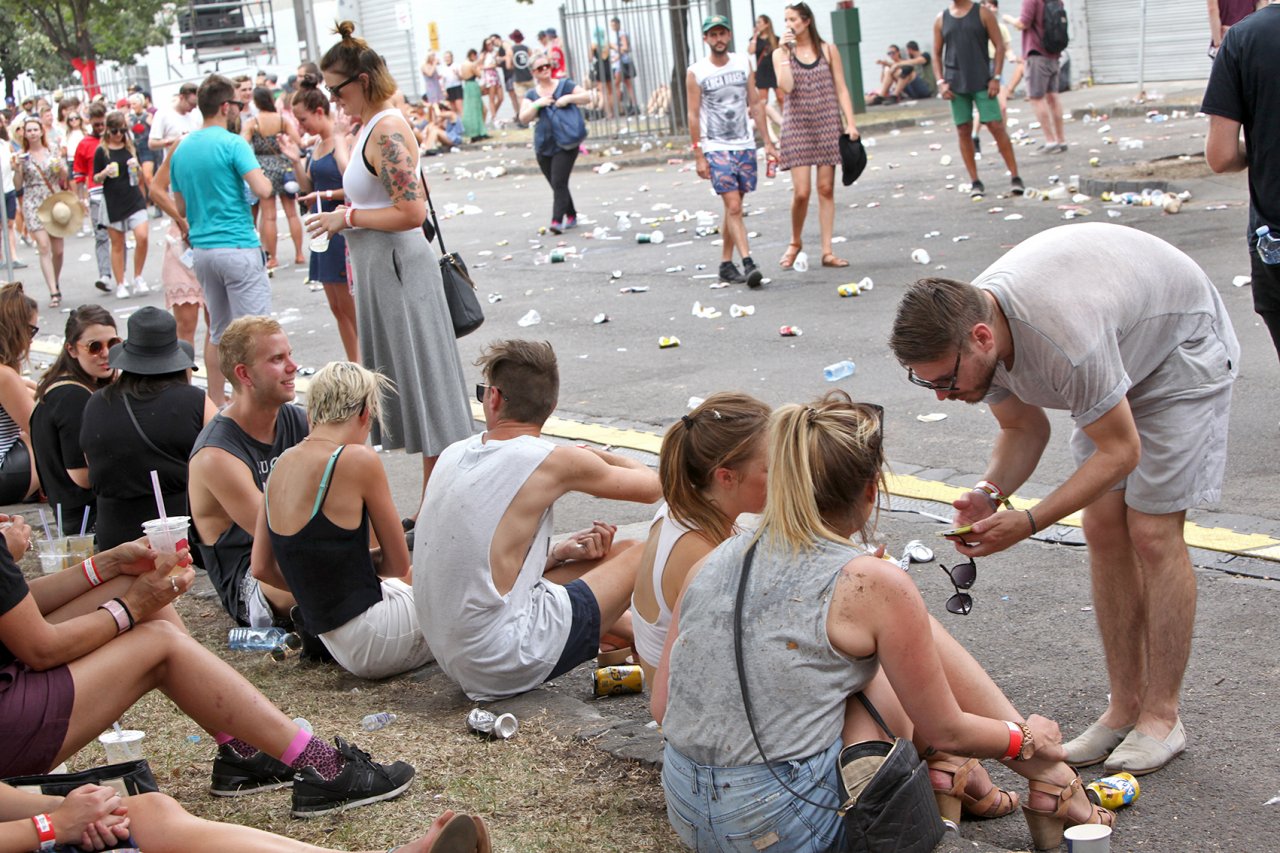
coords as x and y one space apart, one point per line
1098 312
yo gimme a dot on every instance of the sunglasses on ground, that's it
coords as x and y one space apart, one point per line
962 578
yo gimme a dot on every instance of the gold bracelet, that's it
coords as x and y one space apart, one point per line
1028 743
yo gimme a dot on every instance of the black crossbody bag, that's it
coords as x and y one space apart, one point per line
459 289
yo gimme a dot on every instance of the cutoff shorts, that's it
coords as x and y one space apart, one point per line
384 640
1042 75
732 171
583 642
962 104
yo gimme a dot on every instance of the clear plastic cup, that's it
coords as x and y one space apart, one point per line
319 242
168 535
124 745
79 548
53 555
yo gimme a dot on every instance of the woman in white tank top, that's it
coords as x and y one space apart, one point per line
713 468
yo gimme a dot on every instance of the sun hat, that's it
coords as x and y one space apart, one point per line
61 214
152 347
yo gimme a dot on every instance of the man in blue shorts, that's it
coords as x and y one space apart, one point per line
722 98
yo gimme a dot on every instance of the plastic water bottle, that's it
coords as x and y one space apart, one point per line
1268 246
254 639
373 722
839 370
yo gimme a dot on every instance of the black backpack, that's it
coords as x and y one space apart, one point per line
1054 36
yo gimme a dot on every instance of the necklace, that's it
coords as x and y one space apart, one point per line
320 438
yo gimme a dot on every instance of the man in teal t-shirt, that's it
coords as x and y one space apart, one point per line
209 170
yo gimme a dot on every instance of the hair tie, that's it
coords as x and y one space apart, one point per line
688 421
812 414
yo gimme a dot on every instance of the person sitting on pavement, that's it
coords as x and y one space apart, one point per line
713 467
94 817
502 609
231 460
915 75
82 367
79 647
888 78
147 420
19 478
327 490
849 624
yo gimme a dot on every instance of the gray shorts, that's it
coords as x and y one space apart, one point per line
1184 454
235 285
130 222
1042 76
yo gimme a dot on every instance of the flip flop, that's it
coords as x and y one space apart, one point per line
55 299
831 260
789 256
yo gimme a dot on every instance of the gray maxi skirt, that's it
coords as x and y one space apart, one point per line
406 334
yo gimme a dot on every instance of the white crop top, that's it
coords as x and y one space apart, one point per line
650 637
363 188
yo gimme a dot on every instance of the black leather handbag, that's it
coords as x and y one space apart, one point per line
887 800
459 289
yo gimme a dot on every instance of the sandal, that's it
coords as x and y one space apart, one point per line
55 299
1047 826
997 802
832 260
789 256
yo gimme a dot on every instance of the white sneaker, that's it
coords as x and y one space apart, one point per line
122 291
140 286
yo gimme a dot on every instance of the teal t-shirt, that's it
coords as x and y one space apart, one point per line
208 169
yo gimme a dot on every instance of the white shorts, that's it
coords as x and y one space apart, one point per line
256 609
384 640
129 223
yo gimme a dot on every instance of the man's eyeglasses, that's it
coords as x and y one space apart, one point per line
962 578
482 387
96 347
336 91
236 104
945 383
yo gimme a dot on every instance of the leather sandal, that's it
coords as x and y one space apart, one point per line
997 802
789 256
1047 826
832 260
55 299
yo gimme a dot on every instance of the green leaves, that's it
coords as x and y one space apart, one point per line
101 30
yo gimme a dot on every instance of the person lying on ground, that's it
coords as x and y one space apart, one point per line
79 647
503 610
312 534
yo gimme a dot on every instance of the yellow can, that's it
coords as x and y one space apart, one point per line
668 341
1113 792
617 680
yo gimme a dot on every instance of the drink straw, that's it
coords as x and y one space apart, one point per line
44 522
155 484
84 522
61 529
116 726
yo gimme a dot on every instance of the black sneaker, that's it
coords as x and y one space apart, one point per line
1017 187
362 781
730 275
234 776
755 278
977 191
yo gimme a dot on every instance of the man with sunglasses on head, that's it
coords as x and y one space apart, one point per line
1130 336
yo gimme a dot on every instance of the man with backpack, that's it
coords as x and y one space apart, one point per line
1044 37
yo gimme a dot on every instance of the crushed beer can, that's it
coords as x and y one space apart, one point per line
617 680
790 331
1113 792
849 289
493 726
668 341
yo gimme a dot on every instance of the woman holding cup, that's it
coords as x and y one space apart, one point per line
116 167
320 182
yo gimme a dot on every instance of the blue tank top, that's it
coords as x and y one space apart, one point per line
325 175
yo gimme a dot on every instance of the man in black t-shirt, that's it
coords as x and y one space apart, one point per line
518 54
1244 90
232 458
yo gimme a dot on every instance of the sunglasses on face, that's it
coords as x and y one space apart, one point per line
115 130
541 67
946 383
33 330
237 104
962 578
336 91
96 347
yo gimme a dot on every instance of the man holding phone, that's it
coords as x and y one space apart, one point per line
1138 353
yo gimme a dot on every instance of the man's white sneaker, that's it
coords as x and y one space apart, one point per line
122 291
140 286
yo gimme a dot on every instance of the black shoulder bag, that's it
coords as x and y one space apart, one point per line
888 804
459 289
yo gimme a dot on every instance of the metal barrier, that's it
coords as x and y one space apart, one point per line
665 38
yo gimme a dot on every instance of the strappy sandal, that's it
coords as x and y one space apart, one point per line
55 299
832 260
1047 826
997 802
789 256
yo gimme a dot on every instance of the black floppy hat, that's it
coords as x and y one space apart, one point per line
152 347
853 159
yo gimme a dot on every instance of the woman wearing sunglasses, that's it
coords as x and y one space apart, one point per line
115 165
557 135
80 369
846 623
18 327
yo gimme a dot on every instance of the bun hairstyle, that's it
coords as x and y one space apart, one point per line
309 94
822 458
352 56
724 431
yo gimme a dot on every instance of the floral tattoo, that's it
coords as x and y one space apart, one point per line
399 177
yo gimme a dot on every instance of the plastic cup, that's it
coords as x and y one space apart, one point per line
79 548
1088 838
168 535
121 746
53 555
320 242
113 169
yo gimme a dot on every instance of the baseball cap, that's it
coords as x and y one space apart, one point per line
712 21
551 33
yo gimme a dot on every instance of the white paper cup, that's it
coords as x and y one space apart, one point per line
53 554
1088 838
125 745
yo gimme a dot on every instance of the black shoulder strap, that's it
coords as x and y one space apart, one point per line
431 208
148 442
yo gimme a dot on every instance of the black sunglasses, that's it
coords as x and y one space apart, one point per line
541 67
946 383
115 130
239 104
34 330
336 91
962 578
96 347
482 387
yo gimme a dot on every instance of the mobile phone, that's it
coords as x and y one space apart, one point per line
957 531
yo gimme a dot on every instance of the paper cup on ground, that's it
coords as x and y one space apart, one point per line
1089 838
53 554
168 535
124 745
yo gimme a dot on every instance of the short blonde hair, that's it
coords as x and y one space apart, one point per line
240 341
342 390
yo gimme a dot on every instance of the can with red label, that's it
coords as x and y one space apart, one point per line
617 680
790 331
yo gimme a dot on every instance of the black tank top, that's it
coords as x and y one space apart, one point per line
964 42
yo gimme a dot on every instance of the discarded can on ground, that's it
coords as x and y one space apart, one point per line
557 256
617 680
1113 792
649 237
790 331
492 726
668 341
849 289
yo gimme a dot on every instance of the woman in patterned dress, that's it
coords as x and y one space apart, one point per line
811 77
262 131
40 172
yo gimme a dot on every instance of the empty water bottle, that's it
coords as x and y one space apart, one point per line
1268 246
254 639
839 370
373 722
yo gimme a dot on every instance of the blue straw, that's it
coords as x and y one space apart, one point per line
84 522
44 522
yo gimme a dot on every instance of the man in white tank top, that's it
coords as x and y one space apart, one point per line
723 102
502 610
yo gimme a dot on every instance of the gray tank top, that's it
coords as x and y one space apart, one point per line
964 42
799 684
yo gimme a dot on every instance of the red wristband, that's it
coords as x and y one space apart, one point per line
1015 741
44 829
91 572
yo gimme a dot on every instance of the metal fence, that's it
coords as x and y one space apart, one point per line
665 38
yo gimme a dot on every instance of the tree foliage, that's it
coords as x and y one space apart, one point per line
100 30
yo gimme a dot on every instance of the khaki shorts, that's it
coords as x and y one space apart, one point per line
384 640
1042 76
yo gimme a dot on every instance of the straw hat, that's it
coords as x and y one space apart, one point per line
61 214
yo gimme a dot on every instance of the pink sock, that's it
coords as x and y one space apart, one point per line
296 747
222 737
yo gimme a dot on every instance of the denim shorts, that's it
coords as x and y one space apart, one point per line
583 642
745 809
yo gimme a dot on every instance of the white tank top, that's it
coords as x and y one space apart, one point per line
650 637
363 189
